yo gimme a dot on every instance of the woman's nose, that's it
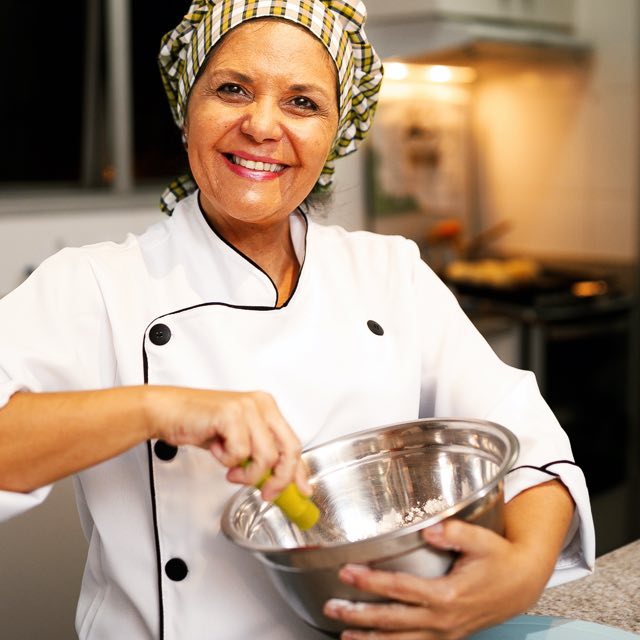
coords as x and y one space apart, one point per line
262 121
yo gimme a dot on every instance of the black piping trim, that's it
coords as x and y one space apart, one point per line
256 265
156 533
154 509
544 468
530 466
549 464
242 307
145 361
145 370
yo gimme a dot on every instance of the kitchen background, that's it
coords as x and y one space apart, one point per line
512 133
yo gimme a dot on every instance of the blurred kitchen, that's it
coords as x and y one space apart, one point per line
507 144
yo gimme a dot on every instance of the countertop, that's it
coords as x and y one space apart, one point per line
610 596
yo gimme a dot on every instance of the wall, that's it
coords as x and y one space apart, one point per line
42 556
558 146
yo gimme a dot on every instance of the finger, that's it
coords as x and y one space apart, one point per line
355 634
462 537
302 480
390 635
283 474
230 450
389 616
244 437
285 467
391 585
264 450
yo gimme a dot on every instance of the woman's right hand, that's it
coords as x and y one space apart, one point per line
235 427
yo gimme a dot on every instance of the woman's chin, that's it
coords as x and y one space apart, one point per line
258 203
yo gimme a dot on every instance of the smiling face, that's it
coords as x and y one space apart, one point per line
261 121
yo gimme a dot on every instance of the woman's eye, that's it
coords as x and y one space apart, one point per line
304 103
231 89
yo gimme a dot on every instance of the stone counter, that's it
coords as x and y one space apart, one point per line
610 596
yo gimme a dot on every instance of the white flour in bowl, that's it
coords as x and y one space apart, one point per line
428 508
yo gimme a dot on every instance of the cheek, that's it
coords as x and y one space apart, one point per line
207 125
318 144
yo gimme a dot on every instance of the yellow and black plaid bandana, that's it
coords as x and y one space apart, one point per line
338 24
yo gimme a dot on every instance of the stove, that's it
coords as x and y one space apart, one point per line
574 331
551 294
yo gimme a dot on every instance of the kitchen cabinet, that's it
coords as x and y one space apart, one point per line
540 13
42 557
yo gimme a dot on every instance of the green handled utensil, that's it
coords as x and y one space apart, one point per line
298 508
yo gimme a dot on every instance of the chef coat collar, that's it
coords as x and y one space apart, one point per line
250 282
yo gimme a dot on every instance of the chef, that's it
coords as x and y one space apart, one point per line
240 329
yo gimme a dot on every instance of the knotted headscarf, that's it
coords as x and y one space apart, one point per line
338 24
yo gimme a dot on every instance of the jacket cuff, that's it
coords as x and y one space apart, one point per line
8 388
577 558
13 504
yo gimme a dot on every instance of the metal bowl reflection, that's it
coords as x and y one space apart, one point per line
376 490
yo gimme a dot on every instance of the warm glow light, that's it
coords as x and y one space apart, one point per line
396 70
589 288
433 74
439 73
457 75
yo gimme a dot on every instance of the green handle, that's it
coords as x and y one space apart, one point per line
300 509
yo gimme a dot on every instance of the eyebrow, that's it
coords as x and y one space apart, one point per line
308 88
298 88
235 75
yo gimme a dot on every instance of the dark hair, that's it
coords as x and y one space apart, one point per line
317 203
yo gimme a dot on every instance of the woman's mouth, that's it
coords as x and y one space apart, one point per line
253 165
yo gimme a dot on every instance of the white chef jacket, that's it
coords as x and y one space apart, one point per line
178 305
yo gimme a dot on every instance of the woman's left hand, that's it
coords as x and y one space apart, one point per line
492 580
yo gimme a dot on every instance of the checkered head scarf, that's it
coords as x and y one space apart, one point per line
338 24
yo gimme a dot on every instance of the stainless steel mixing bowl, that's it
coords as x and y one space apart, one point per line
376 490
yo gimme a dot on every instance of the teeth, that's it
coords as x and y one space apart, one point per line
257 166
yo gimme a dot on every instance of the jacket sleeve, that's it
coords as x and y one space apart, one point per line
54 336
463 377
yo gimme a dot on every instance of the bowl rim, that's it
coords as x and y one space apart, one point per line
273 551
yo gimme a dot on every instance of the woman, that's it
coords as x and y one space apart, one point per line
243 328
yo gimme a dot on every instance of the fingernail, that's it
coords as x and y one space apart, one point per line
435 536
335 605
350 572
435 530
305 488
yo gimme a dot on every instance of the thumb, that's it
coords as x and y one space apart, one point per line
461 537
302 481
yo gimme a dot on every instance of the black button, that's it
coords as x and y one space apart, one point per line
160 334
164 450
375 327
176 569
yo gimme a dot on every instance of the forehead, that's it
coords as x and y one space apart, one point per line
278 45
